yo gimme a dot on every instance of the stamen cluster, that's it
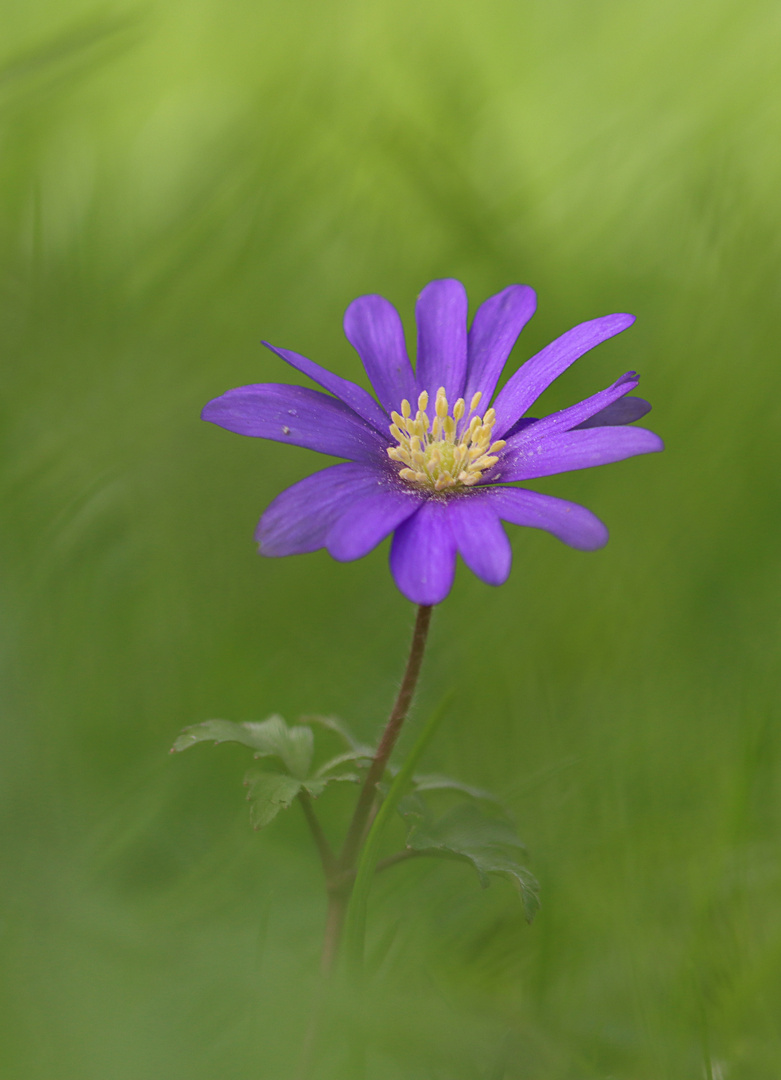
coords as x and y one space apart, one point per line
448 452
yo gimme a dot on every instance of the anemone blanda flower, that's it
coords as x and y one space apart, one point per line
429 460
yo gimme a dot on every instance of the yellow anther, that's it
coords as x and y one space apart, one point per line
434 454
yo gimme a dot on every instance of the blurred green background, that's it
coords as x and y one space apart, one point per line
182 179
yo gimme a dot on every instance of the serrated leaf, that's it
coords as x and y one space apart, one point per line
269 792
216 731
294 746
360 753
489 844
333 723
437 782
316 786
412 805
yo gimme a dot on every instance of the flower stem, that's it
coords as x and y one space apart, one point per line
340 870
368 861
363 809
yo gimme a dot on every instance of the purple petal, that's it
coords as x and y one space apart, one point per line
440 314
566 419
297 415
624 411
481 541
423 554
521 425
358 399
569 450
300 518
494 331
536 375
573 524
367 521
373 328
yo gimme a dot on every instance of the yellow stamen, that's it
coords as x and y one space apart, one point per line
435 456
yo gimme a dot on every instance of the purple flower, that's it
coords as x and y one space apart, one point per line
431 462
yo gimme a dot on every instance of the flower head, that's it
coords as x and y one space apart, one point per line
432 457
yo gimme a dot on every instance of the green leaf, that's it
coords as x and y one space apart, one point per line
360 753
333 723
268 738
216 731
269 792
292 745
437 782
412 806
315 786
490 844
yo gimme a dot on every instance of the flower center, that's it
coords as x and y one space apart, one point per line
449 452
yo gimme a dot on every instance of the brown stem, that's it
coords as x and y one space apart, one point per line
360 819
340 872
